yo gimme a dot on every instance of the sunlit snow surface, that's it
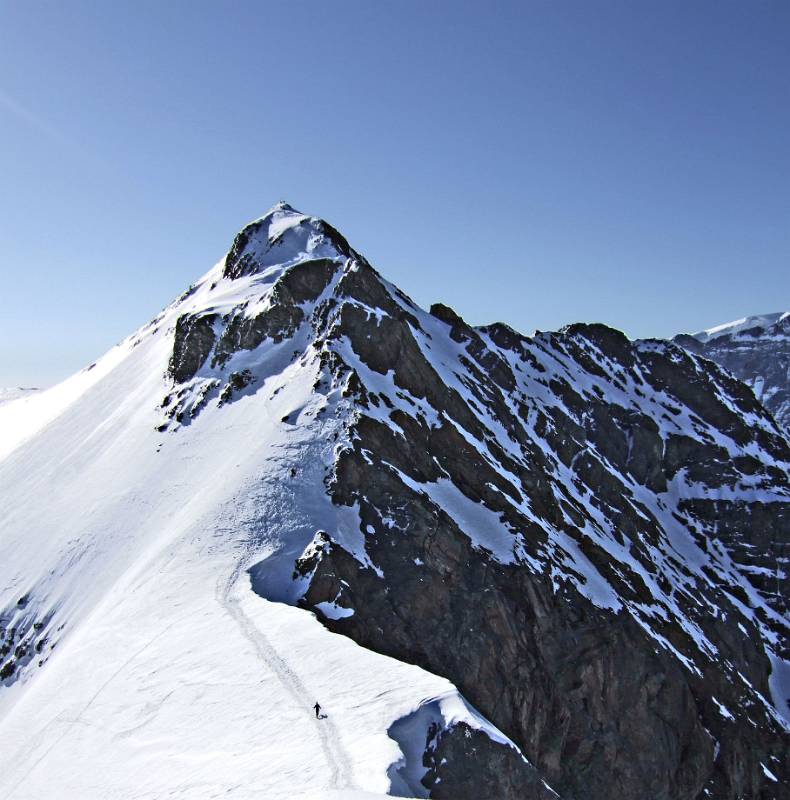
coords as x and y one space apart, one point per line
16 393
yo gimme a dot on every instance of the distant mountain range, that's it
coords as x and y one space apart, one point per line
757 351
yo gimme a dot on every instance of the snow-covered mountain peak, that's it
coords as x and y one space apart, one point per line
586 536
281 205
758 325
281 237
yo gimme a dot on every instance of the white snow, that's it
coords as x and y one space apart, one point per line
7 395
284 236
723 710
29 413
334 611
479 523
768 774
779 684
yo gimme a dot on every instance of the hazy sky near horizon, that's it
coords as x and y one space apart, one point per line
538 163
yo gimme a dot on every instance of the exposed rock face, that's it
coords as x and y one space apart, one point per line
26 641
194 340
459 757
757 351
588 536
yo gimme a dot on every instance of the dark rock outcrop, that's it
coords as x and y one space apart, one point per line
462 761
194 340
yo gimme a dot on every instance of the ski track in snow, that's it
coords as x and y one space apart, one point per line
336 757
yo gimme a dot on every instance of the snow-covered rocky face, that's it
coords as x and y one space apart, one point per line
757 351
586 536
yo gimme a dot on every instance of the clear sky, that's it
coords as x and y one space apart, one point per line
536 162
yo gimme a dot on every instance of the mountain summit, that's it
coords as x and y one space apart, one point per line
504 566
283 237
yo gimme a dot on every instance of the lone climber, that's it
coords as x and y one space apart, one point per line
317 708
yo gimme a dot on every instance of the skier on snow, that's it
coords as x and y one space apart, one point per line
317 708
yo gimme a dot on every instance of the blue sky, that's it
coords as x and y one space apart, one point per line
536 162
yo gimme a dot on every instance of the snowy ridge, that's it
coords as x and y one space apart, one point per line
753 326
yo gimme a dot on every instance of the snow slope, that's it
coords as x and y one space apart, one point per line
7 395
